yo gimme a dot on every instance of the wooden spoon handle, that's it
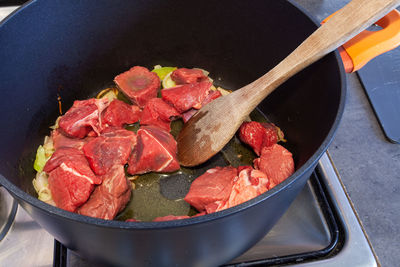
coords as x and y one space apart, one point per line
344 25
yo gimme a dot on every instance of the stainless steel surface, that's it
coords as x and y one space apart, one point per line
301 229
8 208
4 11
26 243
356 250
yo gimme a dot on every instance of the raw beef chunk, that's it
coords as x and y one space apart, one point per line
185 97
174 217
276 162
69 189
73 158
212 189
119 113
132 220
113 147
83 117
158 113
259 135
60 140
117 132
170 218
210 97
187 115
183 75
70 178
138 84
155 151
213 94
247 185
109 198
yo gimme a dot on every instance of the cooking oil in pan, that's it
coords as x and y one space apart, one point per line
161 194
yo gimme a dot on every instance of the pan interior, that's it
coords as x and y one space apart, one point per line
73 51
162 194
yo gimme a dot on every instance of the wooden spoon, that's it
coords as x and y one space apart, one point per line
213 126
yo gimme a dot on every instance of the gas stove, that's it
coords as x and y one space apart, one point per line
320 228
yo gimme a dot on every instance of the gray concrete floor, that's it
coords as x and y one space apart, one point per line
368 164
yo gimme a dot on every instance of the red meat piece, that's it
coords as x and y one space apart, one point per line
158 113
117 132
241 168
119 113
63 154
74 159
109 198
212 189
170 218
60 140
183 76
68 187
185 97
113 147
276 162
132 220
70 178
83 117
259 135
199 214
138 84
213 94
247 185
210 97
187 115
155 151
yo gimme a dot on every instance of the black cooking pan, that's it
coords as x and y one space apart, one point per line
73 49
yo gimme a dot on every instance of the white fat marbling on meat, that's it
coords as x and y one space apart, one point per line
74 172
171 158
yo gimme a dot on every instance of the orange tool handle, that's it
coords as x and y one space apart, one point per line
369 44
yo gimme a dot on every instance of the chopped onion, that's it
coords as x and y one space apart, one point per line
109 93
48 147
55 126
223 91
40 159
41 185
168 82
162 72
45 194
40 181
